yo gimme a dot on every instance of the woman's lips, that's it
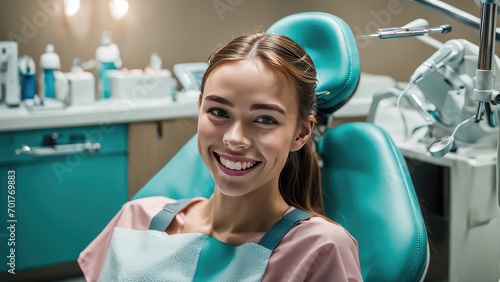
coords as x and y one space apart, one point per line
235 166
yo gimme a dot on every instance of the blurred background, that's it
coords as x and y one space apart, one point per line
189 30
65 201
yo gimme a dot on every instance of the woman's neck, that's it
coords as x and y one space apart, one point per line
249 214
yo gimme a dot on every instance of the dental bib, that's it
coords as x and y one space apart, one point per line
154 255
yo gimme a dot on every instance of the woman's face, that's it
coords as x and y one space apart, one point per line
248 123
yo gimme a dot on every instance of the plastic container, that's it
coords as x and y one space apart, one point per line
27 75
49 62
108 56
81 85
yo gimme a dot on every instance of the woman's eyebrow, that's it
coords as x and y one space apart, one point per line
254 107
270 107
219 99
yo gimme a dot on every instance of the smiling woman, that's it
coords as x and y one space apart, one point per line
242 118
265 218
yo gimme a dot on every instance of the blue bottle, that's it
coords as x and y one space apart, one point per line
104 81
27 75
49 62
108 56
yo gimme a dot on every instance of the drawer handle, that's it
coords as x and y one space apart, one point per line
88 147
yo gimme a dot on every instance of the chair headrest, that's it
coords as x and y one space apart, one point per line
331 45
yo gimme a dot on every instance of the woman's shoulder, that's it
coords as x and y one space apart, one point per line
315 250
319 231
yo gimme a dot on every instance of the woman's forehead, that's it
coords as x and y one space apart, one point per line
246 75
250 77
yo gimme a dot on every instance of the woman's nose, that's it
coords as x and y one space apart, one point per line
236 137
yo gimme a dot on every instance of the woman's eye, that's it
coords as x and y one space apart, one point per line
267 120
217 112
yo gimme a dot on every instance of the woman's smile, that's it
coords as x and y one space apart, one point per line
235 166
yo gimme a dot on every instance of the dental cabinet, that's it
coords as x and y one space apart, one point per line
457 194
73 168
65 191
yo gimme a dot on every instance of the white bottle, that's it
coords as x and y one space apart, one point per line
154 63
108 56
49 62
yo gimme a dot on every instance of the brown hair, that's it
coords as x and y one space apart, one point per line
300 179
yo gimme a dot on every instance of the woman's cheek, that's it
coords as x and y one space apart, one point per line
277 140
206 135
206 128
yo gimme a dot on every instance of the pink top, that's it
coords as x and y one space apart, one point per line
315 250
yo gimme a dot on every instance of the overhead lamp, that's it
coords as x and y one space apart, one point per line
71 7
118 8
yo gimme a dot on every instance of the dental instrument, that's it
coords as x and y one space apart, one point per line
443 145
406 31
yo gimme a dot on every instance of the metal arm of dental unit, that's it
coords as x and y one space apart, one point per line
450 11
484 92
485 76
459 81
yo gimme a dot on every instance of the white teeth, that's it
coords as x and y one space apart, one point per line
236 165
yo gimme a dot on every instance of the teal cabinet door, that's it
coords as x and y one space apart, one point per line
58 204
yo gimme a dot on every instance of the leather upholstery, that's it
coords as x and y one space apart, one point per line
331 45
368 190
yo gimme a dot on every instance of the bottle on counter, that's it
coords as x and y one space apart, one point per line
49 62
108 56
27 76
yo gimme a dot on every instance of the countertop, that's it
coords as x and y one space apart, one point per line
109 111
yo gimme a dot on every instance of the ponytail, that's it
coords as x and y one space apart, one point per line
300 180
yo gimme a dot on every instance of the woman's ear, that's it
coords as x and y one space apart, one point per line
303 135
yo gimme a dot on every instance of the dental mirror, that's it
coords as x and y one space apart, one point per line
443 145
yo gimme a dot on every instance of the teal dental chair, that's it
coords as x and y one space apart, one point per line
366 184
